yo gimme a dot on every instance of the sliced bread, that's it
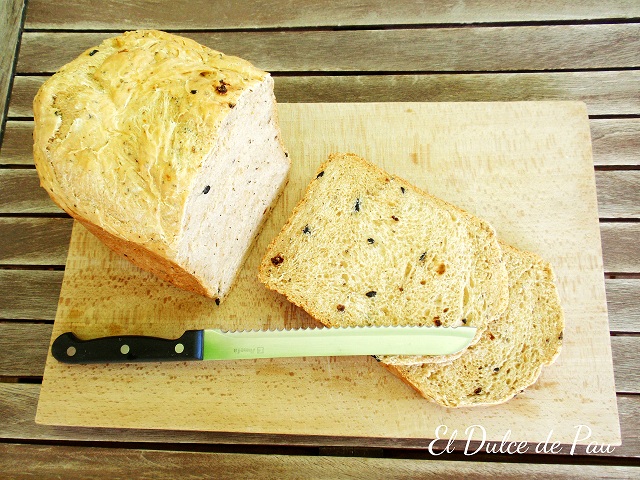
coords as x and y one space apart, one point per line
166 150
367 248
512 351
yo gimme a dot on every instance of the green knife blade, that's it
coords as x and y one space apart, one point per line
312 342
216 344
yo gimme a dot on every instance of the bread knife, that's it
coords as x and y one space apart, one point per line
216 344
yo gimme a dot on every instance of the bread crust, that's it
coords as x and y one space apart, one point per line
445 389
121 134
149 261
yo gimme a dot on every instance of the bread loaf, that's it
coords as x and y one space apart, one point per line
367 248
512 351
168 151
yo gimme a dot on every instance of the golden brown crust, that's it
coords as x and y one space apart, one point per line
122 130
148 260
436 383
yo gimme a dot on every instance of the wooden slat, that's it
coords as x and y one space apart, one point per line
623 298
24 89
626 358
605 93
629 414
435 50
189 14
76 462
17 144
29 294
615 142
620 246
10 22
19 359
32 295
18 403
618 193
22 349
34 241
20 192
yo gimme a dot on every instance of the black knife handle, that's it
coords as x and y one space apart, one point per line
68 348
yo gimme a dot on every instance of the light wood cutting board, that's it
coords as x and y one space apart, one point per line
525 167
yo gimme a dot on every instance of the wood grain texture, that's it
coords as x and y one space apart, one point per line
200 14
623 298
626 358
29 294
482 157
77 463
34 241
18 403
618 194
24 347
629 408
28 340
22 94
20 192
71 462
388 50
17 144
616 142
605 93
620 248
33 295
10 23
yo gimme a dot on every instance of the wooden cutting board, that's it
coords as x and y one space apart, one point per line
525 167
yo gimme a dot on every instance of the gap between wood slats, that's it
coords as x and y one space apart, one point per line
11 18
344 28
198 14
605 93
100 462
616 142
440 49
18 403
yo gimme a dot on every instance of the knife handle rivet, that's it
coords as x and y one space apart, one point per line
124 349
179 348
71 351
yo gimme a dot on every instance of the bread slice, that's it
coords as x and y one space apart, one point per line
367 248
168 151
512 351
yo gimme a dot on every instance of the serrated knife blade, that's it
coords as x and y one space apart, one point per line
217 344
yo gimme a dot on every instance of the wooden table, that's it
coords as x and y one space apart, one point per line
319 52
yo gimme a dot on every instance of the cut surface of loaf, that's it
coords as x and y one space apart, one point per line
167 150
512 351
367 248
